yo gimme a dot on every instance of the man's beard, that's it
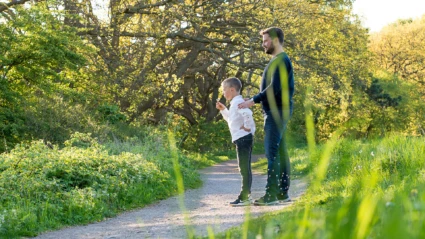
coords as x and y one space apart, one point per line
270 50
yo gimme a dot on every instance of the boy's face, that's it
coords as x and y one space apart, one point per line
228 92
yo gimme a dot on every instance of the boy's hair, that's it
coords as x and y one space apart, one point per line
233 82
274 32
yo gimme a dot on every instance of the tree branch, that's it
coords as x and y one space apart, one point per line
136 9
173 35
5 6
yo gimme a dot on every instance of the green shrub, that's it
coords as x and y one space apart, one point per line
45 188
111 114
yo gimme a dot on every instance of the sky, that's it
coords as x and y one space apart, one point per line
376 14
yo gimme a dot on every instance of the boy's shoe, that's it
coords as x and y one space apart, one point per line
241 202
266 200
283 197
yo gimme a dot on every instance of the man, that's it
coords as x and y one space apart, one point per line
276 92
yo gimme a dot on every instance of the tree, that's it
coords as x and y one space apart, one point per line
400 49
178 67
399 67
328 47
40 65
167 57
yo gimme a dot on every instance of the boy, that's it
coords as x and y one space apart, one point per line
242 129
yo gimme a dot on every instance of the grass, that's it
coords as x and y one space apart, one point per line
369 189
299 163
358 189
44 188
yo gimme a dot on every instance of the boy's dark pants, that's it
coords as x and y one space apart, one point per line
243 151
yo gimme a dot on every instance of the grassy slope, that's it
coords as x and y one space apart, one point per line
44 188
372 189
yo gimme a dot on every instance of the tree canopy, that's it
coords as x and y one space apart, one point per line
66 67
399 69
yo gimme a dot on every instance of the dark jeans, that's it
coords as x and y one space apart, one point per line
243 151
278 167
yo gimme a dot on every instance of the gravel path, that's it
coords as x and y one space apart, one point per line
206 207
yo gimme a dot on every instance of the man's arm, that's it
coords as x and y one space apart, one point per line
273 91
247 104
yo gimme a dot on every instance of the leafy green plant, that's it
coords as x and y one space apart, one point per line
45 187
111 113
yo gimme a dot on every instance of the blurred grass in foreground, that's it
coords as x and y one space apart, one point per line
369 189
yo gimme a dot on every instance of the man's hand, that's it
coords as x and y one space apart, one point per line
219 106
248 103
247 130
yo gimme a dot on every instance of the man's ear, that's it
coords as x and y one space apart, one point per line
276 41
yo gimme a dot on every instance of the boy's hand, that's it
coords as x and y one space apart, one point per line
247 130
219 106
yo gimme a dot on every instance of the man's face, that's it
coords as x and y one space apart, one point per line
268 44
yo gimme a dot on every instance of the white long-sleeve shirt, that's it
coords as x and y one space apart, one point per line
236 118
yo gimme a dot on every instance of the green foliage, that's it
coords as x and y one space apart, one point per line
212 137
44 90
300 165
62 72
331 61
45 187
111 114
204 137
81 140
376 94
11 128
394 106
399 49
54 120
372 189
398 69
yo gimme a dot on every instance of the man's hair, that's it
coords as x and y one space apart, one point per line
233 82
273 33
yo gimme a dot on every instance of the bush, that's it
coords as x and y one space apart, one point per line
45 188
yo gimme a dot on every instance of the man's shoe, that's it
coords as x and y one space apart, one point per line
283 197
241 202
266 201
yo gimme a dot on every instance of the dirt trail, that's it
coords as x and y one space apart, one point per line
206 207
